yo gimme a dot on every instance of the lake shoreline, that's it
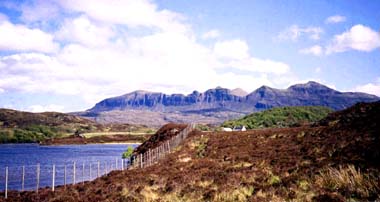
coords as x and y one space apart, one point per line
92 143
105 139
88 160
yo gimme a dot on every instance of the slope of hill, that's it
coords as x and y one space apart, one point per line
18 126
337 161
26 127
216 105
280 117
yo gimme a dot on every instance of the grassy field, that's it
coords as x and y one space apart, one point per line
281 117
96 134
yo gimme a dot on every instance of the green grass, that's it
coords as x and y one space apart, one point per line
29 134
95 134
281 117
349 180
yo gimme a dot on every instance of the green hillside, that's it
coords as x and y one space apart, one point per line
25 127
281 117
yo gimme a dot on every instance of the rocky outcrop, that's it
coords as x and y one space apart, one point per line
222 104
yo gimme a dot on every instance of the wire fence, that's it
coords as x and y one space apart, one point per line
152 156
33 177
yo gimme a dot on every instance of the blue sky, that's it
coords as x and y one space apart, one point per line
66 55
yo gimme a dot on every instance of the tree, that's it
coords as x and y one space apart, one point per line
127 153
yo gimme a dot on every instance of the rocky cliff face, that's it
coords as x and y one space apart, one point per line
309 94
220 104
213 98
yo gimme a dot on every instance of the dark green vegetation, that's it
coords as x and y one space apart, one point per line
29 134
26 127
281 117
128 153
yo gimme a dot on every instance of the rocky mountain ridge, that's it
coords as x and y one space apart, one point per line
217 105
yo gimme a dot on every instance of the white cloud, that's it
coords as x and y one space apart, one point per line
259 65
233 49
82 30
359 37
133 13
295 32
21 38
47 108
335 19
314 50
371 88
235 54
212 34
112 47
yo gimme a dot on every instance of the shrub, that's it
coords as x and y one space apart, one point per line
281 117
274 180
201 147
349 181
127 153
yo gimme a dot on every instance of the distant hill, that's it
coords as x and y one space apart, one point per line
216 105
23 127
281 117
20 127
13 118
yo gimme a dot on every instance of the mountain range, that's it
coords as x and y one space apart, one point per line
216 105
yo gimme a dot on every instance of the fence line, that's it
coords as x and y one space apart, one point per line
152 156
55 175
33 177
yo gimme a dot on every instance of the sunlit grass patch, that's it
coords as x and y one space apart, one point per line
349 181
239 194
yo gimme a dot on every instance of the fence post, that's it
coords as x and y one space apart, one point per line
98 168
116 163
161 152
38 177
156 152
90 172
150 157
53 179
74 172
144 159
141 163
23 178
83 173
65 176
105 168
6 182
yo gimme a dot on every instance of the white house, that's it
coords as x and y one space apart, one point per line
227 129
239 128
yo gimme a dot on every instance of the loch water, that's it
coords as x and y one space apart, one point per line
86 161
